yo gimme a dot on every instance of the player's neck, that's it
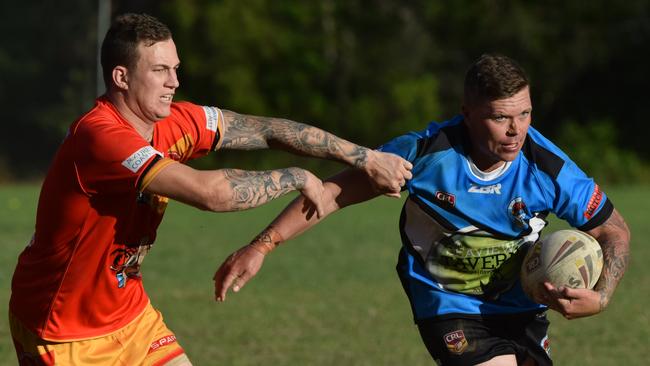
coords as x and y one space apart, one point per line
144 128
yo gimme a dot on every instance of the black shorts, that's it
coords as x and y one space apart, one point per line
461 342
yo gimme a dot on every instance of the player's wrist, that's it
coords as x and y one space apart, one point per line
366 160
266 241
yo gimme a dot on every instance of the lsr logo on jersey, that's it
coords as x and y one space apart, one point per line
446 198
492 189
456 342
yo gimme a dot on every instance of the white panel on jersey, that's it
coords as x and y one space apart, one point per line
138 158
211 118
421 229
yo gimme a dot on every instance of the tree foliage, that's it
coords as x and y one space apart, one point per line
365 70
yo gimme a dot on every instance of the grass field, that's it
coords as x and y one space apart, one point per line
329 297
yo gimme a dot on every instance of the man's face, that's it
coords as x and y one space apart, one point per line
498 129
152 83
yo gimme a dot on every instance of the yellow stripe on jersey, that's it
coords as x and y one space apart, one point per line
153 172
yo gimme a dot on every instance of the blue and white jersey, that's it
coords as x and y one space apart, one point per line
464 235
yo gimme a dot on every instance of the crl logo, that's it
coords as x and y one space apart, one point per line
493 189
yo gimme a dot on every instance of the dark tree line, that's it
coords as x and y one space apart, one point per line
366 70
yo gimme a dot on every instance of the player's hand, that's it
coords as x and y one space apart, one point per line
236 271
572 303
313 191
388 172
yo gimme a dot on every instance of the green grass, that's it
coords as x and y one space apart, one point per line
329 297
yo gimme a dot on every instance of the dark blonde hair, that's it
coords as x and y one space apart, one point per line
120 46
493 77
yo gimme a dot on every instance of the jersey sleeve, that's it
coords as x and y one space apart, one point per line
574 196
407 146
109 157
579 200
202 129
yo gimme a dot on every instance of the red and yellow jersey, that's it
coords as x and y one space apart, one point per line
79 276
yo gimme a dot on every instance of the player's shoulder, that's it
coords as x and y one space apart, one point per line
543 153
441 136
98 119
436 137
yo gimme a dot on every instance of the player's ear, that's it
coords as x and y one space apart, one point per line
120 78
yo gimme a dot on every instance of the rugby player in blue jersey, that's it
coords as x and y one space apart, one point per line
482 184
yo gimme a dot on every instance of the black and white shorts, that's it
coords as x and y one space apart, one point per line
461 342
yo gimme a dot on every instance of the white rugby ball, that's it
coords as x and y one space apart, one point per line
568 258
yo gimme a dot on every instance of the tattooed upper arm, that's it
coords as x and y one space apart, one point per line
244 132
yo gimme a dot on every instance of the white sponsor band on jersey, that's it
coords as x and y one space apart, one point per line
491 189
138 158
212 117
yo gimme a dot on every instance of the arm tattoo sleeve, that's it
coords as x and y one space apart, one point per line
614 242
251 132
252 189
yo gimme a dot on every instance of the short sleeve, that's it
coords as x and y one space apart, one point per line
110 157
579 200
192 130
409 145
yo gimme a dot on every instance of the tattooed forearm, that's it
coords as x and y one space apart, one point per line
252 189
252 132
614 238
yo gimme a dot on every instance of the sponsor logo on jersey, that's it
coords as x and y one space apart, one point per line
182 149
491 189
164 341
456 342
211 118
519 212
138 158
594 202
446 198
127 261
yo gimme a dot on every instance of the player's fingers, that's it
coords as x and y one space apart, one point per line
408 165
408 174
393 194
242 280
569 293
320 210
225 285
549 287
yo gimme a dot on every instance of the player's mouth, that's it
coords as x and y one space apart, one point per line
167 98
511 147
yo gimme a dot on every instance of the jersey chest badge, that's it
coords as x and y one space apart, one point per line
518 212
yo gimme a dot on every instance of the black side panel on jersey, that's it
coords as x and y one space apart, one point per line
443 140
545 160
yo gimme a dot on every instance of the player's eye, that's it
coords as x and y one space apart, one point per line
500 118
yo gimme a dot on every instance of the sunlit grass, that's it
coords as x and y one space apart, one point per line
329 297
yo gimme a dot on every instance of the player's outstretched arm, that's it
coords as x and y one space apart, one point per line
350 187
387 171
614 238
233 189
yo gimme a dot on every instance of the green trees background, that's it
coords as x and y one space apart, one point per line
365 70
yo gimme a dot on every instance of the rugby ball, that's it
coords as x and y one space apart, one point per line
568 258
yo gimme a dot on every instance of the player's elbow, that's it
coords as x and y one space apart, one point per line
214 195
